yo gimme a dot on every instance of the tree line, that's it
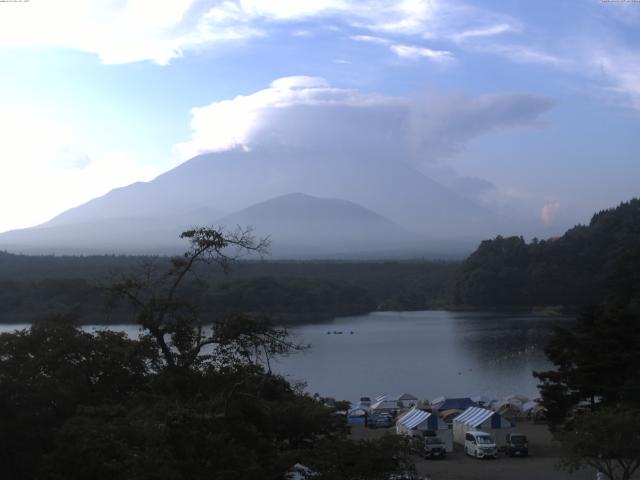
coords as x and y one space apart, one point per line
572 270
286 291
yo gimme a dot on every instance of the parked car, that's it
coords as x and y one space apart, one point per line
517 445
380 420
480 445
433 447
427 446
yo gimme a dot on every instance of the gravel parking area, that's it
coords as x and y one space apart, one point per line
539 465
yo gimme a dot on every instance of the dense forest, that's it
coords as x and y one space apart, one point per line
570 271
181 402
286 291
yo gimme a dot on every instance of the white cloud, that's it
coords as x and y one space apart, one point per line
413 52
406 17
483 32
549 213
370 39
620 70
522 54
308 114
122 31
230 124
46 170
302 33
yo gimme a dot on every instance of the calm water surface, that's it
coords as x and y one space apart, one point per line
428 354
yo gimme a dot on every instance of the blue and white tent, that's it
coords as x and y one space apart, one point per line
416 420
357 415
444 403
390 403
477 418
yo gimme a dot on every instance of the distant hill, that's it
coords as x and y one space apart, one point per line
301 224
572 270
298 225
126 219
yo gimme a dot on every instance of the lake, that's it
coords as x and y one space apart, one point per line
428 353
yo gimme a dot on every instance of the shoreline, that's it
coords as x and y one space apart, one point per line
293 320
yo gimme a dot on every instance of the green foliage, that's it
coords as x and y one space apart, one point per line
597 360
290 298
189 399
592 397
572 270
76 405
287 292
607 440
48 372
360 460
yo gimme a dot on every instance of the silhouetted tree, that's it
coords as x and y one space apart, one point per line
607 440
188 399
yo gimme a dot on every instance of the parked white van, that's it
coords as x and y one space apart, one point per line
480 444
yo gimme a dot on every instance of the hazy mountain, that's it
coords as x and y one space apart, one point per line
300 224
126 234
149 215
235 180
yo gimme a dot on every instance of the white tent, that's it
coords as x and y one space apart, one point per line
533 409
529 406
426 422
391 403
482 400
300 472
515 398
357 415
477 418
508 408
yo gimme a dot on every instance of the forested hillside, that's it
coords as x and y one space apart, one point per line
290 292
572 270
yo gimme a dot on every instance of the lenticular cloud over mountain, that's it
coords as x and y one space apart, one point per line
262 118
307 113
345 150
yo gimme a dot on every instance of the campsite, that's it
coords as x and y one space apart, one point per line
450 418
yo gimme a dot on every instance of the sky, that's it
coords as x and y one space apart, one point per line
530 108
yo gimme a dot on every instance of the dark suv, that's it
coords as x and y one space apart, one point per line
517 445
431 447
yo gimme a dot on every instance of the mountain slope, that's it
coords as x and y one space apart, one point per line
306 225
126 234
232 181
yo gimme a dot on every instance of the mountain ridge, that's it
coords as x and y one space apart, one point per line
235 180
